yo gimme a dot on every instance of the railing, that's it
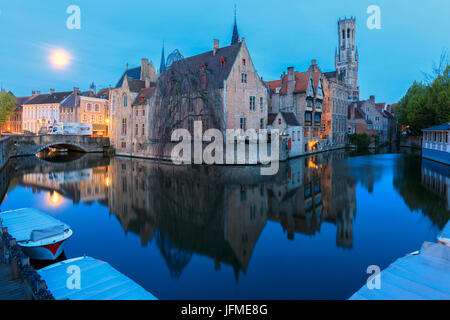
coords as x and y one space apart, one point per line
21 267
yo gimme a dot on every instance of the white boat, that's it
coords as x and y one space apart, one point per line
39 235
87 278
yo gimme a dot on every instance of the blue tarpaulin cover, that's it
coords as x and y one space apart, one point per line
98 281
423 276
22 222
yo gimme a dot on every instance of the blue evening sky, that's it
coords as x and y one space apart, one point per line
278 33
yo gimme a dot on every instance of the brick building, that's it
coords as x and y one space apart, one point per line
302 93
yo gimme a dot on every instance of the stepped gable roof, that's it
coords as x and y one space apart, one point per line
218 65
301 81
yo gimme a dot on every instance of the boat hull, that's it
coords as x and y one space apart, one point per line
46 249
47 252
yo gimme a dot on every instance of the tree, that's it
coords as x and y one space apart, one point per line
7 106
426 104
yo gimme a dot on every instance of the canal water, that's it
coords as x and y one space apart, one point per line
205 232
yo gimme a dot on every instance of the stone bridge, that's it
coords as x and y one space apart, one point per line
30 145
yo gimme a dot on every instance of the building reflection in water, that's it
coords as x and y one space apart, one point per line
436 178
213 211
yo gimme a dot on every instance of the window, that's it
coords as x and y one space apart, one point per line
136 132
309 103
85 119
143 112
293 135
243 62
125 100
124 126
317 117
343 34
261 104
298 135
143 129
308 117
92 119
97 108
243 78
261 123
89 107
137 112
243 124
279 120
124 145
252 103
348 33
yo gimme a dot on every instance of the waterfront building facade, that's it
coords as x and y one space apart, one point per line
302 93
122 96
290 130
336 108
436 143
42 110
369 117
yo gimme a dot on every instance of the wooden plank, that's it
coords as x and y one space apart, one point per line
10 289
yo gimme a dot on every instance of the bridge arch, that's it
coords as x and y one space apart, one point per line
67 145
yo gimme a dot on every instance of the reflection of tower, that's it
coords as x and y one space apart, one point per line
346 57
176 259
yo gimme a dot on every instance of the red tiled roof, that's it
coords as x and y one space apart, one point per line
272 85
301 81
144 95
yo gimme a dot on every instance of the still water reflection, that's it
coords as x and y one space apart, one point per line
206 232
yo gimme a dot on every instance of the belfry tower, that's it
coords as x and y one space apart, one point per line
346 57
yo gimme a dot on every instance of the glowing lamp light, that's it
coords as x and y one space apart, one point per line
108 181
55 198
107 121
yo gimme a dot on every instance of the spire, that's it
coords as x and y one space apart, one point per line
235 37
162 66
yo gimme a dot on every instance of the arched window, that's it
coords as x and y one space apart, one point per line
125 100
348 33
97 108
88 107
343 34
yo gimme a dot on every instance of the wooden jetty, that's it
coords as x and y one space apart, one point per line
10 289
421 275
96 280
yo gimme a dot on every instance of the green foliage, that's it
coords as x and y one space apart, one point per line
426 105
362 141
7 106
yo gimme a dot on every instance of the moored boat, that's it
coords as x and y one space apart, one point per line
39 235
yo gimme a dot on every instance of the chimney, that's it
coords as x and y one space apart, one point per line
144 68
313 62
290 80
38 92
216 46
33 93
52 91
76 92
372 99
